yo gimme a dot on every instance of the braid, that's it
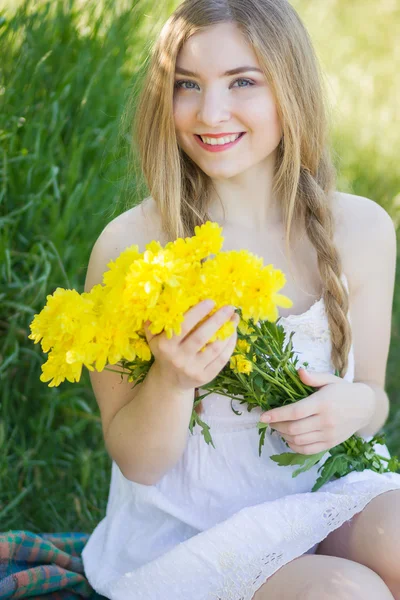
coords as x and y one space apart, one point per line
320 228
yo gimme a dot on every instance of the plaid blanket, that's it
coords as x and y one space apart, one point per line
47 565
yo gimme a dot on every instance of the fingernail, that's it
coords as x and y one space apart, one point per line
209 304
265 418
228 309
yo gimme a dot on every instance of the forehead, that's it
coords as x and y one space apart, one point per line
217 48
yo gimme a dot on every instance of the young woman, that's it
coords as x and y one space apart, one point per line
231 127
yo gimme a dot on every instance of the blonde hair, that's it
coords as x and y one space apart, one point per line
304 177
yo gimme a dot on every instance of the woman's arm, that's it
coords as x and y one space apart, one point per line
370 263
145 429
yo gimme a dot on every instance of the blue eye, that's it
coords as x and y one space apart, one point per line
246 81
179 84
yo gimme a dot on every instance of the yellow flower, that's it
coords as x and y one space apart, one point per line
141 348
168 314
57 369
67 317
262 298
228 276
208 238
244 328
239 364
243 346
119 267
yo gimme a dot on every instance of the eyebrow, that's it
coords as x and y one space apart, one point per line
226 74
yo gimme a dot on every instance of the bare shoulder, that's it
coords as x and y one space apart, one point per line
365 237
366 240
137 225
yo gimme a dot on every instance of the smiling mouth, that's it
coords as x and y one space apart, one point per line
199 137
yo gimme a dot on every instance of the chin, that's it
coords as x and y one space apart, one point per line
220 174
228 173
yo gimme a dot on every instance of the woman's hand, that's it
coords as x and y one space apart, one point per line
326 418
180 358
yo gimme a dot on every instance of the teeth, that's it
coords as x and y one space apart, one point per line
220 141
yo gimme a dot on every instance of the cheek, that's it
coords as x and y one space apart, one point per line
183 111
182 120
264 117
178 127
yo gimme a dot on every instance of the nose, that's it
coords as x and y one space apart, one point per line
213 109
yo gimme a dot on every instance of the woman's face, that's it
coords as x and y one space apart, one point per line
211 102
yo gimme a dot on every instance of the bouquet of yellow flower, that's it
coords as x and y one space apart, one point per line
106 327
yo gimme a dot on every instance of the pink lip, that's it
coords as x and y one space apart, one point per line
216 148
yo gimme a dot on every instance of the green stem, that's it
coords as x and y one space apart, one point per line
274 381
221 393
114 371
286 370
295 379
266 351
382 457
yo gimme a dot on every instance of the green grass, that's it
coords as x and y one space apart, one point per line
64 79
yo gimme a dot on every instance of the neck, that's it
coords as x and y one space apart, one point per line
248 200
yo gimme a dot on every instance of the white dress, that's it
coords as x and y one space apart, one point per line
223 520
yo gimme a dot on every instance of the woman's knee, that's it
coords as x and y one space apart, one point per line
320 577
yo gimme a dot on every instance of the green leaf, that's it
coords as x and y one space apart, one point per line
289 458
346 465
393 464
313 459
205 430
258 381
261 442
333 465
262 430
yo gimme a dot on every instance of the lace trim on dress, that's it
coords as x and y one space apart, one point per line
245 577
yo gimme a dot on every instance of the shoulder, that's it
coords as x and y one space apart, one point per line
352 211
134 226
138 225
366 241
365 236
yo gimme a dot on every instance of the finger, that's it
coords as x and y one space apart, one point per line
305 439
202 334
193 316
292 412
311 449
318 380
312 423
221 360
212 351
